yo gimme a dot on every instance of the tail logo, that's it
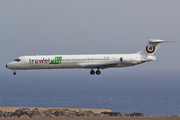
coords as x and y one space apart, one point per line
150 49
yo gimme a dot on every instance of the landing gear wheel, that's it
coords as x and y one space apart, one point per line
92 72
14 73
98 72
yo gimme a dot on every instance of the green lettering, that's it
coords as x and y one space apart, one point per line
57 60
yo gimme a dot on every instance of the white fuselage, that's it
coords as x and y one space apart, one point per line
100 61
92 61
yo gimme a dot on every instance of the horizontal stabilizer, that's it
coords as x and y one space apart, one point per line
151 47
158 41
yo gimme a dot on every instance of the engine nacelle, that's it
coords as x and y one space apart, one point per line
132 60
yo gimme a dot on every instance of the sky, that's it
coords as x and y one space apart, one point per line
58 27
88 27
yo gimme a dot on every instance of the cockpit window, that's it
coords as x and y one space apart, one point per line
17 59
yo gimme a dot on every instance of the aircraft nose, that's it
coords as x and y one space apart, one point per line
10 66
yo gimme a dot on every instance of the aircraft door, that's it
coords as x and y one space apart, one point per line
23 60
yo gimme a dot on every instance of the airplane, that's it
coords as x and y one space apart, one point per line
89 61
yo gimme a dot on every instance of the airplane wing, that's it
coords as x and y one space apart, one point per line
98 65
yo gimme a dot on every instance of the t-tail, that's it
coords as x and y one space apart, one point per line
149 50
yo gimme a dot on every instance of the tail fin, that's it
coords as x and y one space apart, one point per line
151 47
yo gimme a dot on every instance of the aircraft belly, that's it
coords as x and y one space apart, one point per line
51 66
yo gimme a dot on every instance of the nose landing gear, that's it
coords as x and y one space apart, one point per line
14 73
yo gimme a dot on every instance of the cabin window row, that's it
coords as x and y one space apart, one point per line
81 59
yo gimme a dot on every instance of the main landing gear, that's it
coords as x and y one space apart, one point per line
98 72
